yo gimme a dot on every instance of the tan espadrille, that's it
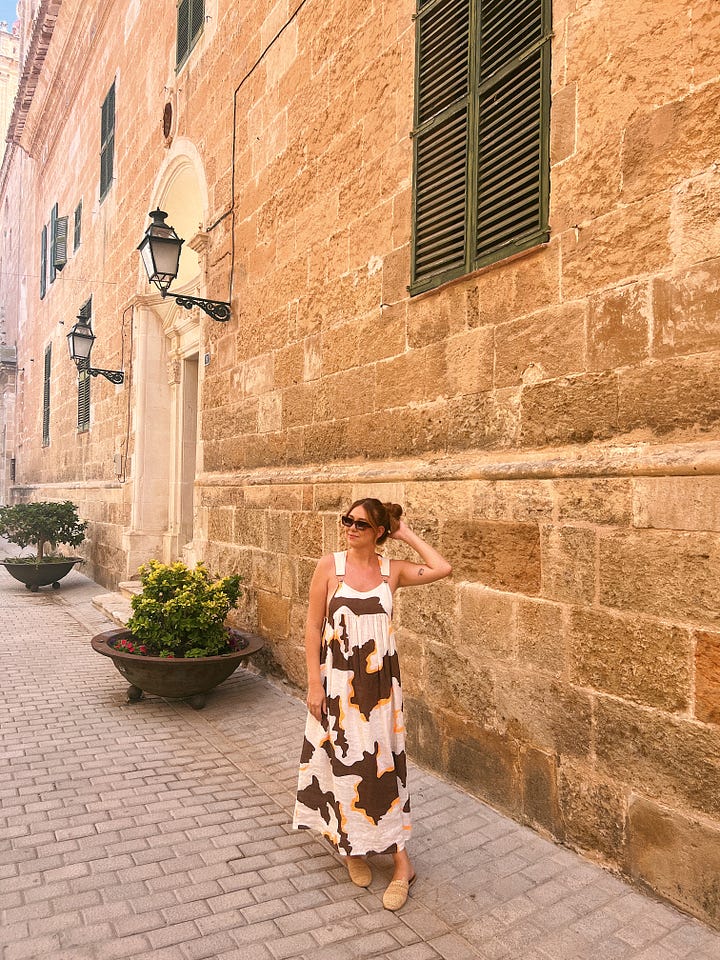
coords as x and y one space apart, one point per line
360 872
397 893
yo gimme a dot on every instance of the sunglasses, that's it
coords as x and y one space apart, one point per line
351 522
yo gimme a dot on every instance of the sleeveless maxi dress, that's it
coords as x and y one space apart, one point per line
352 785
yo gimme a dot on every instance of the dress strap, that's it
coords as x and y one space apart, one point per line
385 568
340 559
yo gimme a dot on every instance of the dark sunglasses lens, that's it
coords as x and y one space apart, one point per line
360 524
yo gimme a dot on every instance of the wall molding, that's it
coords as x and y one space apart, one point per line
700 458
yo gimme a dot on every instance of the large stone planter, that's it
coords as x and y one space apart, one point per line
173 678
35 575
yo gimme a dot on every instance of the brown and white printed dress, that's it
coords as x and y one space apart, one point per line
352 786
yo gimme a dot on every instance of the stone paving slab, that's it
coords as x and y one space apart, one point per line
152 831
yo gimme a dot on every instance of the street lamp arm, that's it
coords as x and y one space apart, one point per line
217 309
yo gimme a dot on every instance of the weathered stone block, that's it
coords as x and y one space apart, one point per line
428 612
606 500
619 327
434 318
544 712
636 659
250 527
424 738
483 420
623 244
487 623
569 410
505 556
362 341
346 394
273 614
670 396
546 344
540 806
516 288
568 564
414 376
593 811
666 758
266 571
458 682
468 362
665 574
686 311
663 145
306 533
541 639
676 856
485 762
707 677
563 136
677 503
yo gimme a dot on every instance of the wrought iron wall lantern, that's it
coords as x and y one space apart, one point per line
160 251
80 343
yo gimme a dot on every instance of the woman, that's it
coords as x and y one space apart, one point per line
352 785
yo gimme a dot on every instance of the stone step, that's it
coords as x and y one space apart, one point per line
130 588
115 606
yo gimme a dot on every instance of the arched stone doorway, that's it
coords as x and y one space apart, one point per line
167 381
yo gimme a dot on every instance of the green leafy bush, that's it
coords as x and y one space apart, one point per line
181 611
42 523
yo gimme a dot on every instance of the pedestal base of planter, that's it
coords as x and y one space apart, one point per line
36 575
177 679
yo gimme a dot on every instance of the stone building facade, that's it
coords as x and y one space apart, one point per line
549 420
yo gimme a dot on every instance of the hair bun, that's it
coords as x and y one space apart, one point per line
394 512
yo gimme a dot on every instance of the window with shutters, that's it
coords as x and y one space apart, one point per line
481 135
83 408
77 226
190 23
107 142
46 397
43 262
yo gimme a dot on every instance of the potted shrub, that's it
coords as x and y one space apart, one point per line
42 524
177 643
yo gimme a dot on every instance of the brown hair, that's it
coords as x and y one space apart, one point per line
381 514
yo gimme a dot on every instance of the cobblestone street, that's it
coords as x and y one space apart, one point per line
153 831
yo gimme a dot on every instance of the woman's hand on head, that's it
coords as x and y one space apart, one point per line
316 702
401 531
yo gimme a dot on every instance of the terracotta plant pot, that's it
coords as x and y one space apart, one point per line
179 678
35 575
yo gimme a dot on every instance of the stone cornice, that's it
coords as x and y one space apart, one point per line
633 460
43 29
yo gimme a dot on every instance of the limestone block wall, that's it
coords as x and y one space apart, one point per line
543 420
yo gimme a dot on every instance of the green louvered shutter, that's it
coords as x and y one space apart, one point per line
46 396
512 140
61 239
53 238
183 32
43 262
83 411
481 134
442 105
190 23
197 20
107 142
77 231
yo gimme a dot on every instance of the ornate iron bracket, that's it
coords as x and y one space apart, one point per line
114 376
217 309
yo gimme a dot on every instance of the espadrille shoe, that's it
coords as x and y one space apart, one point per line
360 872
397 893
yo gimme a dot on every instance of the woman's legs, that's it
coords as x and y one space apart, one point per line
403 867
